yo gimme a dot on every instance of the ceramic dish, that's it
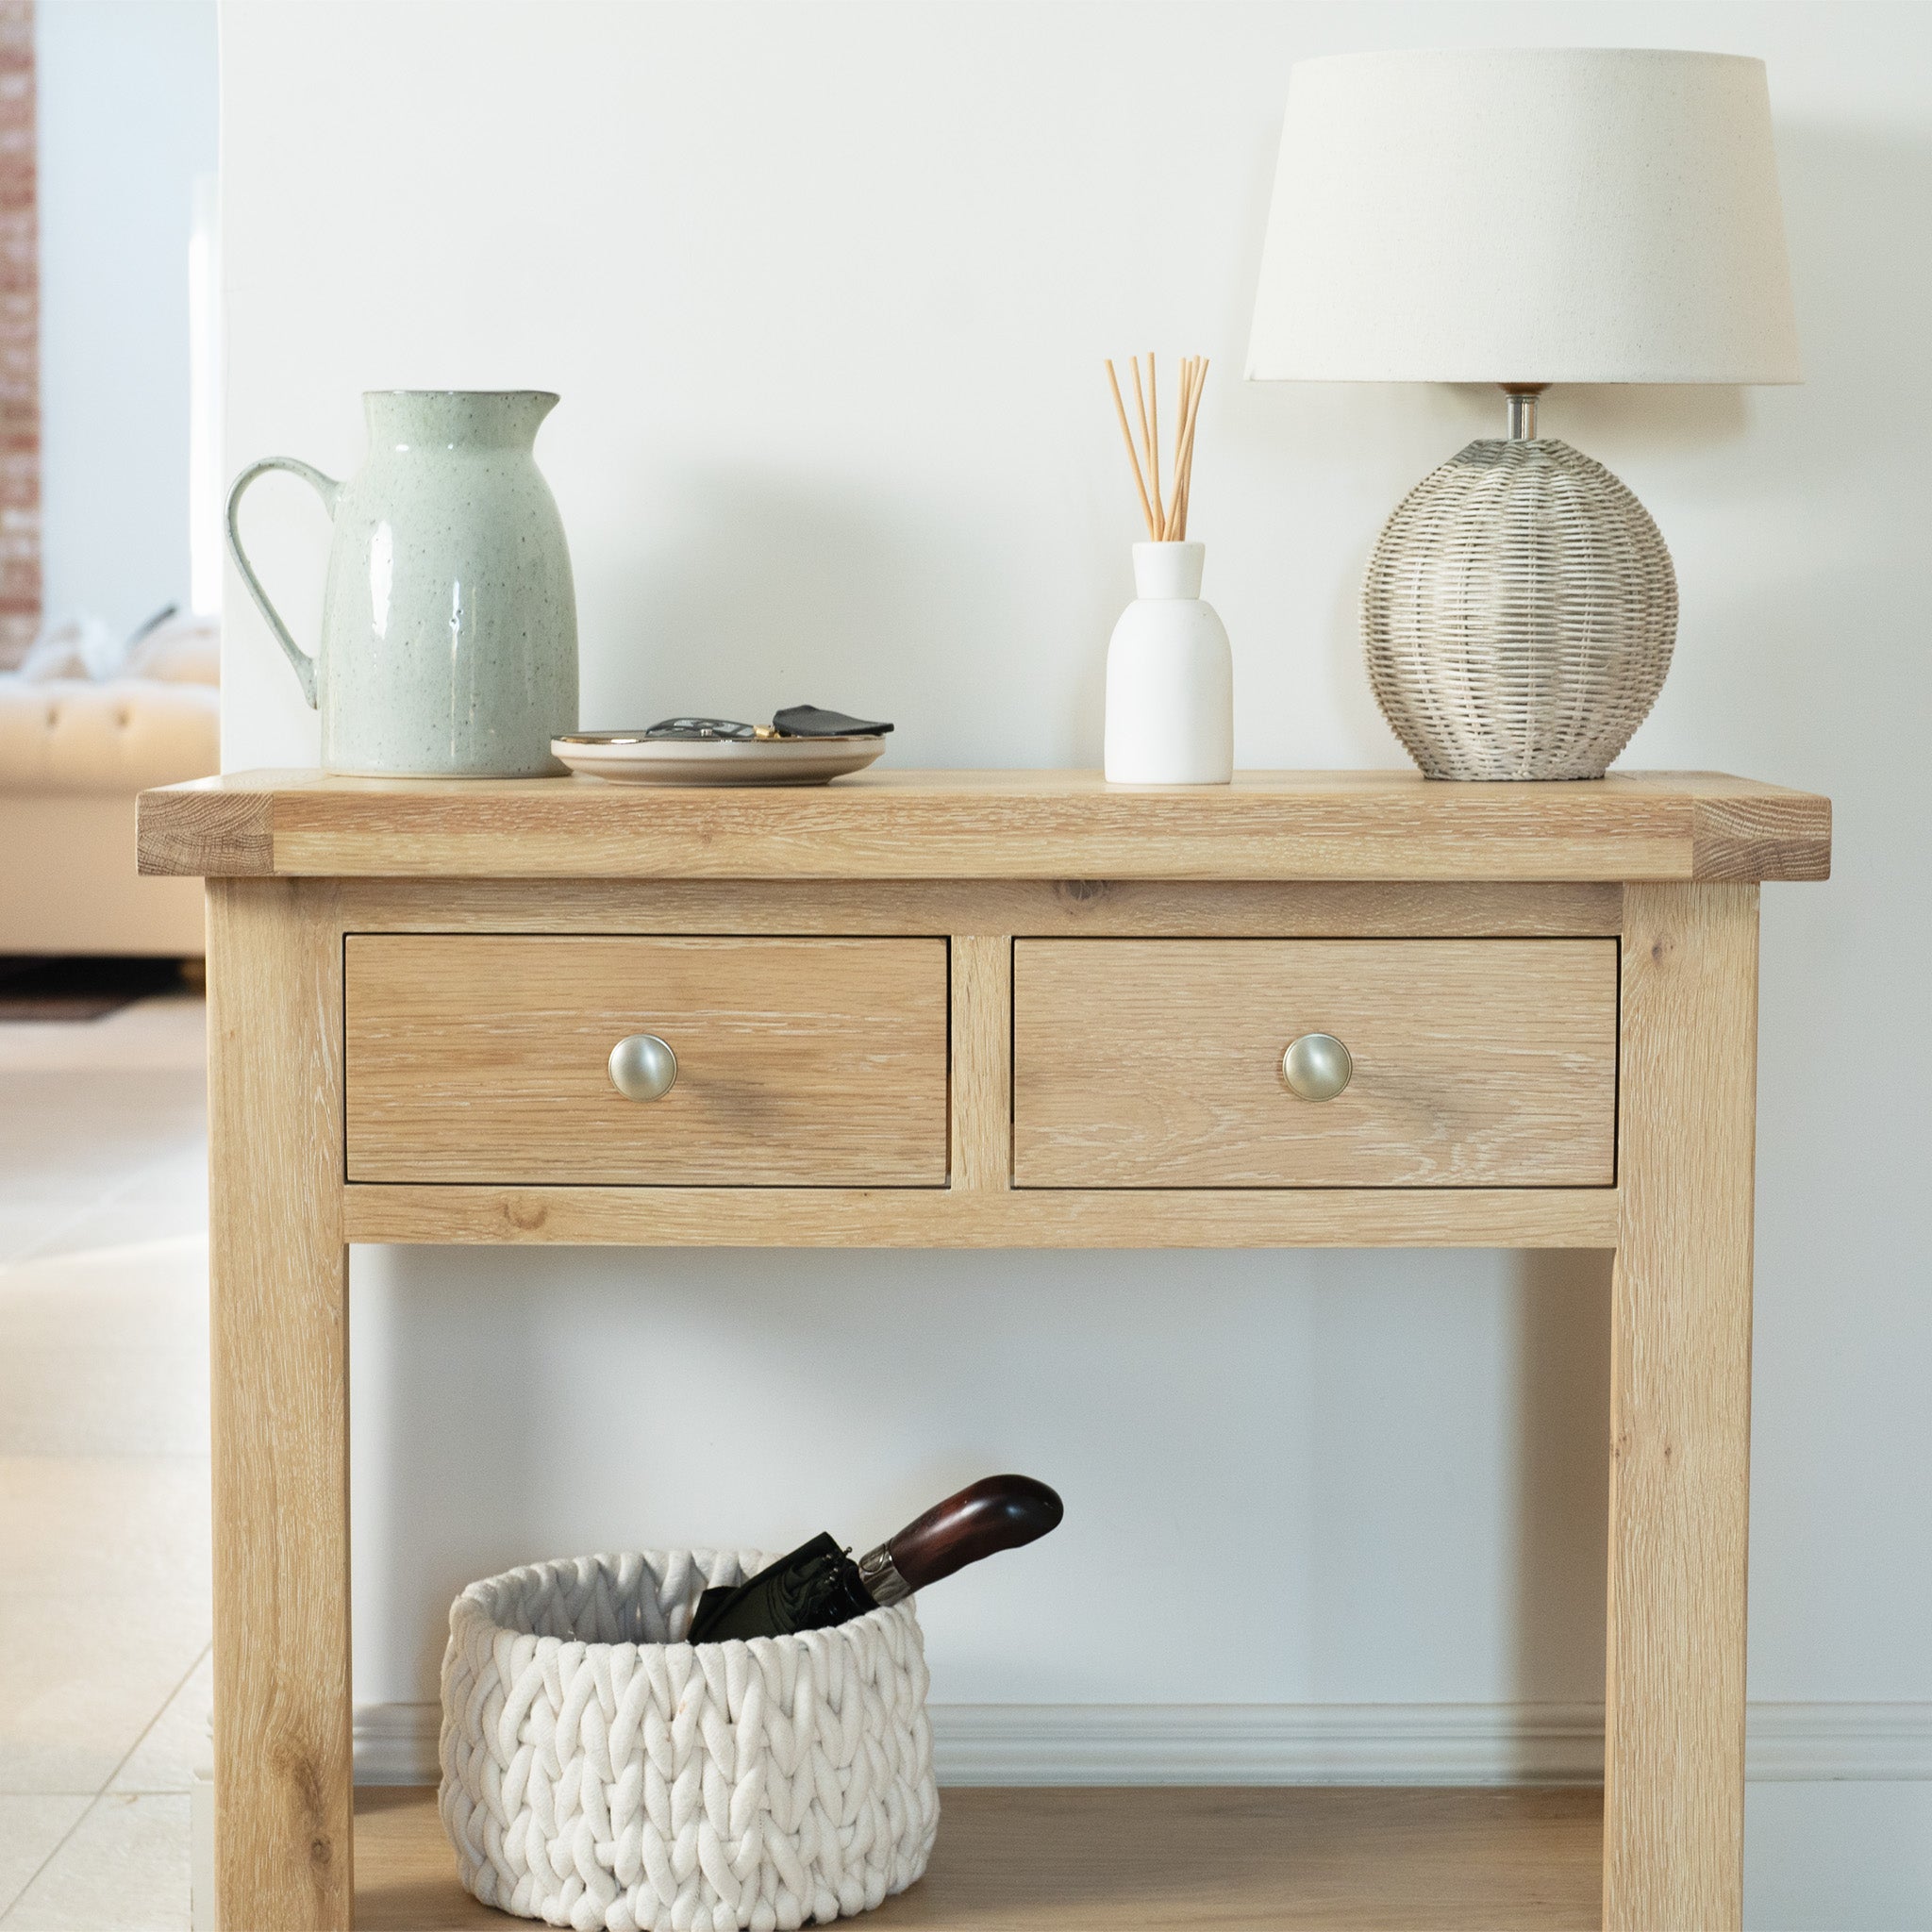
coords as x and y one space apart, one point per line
628 758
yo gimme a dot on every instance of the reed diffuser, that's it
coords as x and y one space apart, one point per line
1166 522
1170 672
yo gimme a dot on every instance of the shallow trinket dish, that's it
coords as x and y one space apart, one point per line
628 757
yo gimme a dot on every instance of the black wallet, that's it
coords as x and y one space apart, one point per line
808 721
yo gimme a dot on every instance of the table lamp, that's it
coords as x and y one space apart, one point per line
1523 217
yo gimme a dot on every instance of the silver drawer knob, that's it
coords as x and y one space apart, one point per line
643 1067
1316 1067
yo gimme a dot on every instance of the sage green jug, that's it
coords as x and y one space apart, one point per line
449 627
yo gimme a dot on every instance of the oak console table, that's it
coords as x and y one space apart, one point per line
998 1009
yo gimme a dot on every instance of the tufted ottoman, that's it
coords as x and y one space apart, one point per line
73 755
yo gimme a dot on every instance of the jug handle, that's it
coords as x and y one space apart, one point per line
328 490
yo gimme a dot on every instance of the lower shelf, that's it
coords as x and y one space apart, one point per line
1134 1859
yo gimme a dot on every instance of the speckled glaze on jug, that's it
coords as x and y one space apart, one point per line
449 631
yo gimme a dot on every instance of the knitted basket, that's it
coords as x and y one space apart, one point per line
1518 614
598 1772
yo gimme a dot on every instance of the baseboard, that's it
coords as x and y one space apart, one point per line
1267 1743
1301 1743
1810 1743
395 1743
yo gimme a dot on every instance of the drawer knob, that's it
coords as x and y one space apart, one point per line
1317 1066
643 1067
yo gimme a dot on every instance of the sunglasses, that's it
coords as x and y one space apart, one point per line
798 721
708 727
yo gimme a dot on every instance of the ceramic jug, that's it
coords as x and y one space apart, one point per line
449 629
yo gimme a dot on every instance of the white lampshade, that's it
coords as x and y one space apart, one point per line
1527 216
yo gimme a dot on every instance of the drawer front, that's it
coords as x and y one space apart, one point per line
800 1062
1157 1064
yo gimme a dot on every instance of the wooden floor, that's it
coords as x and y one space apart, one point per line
1137 1860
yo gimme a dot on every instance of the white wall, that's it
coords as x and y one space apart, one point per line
825 290
128 118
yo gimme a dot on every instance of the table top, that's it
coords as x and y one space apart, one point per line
1282 825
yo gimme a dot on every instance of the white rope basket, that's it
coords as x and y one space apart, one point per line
1518 614
598 1772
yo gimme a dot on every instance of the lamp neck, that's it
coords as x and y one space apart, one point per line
1521 397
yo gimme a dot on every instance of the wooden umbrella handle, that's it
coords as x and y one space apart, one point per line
1000 1512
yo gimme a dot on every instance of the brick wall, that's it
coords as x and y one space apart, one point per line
19 339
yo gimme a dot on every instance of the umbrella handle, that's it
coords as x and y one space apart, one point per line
1000 1512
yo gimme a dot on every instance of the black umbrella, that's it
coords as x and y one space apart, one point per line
818 1585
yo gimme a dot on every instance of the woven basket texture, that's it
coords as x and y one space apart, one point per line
1518 614
598 1772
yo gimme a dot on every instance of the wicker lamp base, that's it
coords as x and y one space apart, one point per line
1518 614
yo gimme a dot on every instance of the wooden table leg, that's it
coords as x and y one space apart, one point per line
1680 1412
278 1286
982 1065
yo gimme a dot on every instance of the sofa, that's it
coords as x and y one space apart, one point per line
83 728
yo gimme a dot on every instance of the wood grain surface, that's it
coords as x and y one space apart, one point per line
982 1063
1186 908
967 1217
818 1061
279 1308
1680 1412
1157 1063
995 824
207 830
1147 1861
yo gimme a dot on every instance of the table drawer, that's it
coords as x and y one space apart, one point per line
1157 1064
799 1062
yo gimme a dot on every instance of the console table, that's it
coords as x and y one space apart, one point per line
991 1010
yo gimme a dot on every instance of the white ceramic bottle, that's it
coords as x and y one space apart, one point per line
1170 677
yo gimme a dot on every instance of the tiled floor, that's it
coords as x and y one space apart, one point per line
104 1497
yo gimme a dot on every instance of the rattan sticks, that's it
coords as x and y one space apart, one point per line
1167 520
